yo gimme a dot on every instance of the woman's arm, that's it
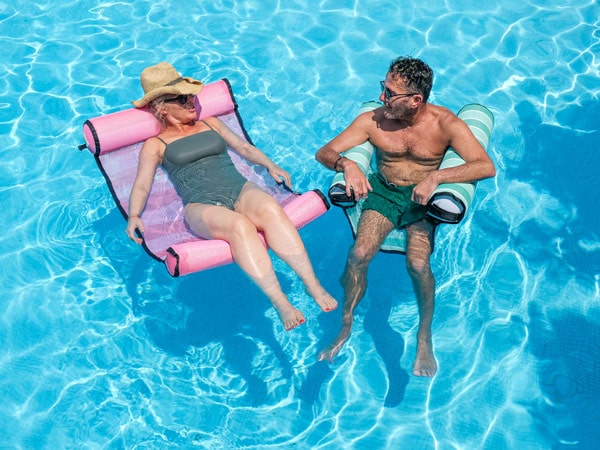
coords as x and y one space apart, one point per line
150 157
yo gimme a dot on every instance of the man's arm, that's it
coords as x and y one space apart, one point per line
330 155
477 166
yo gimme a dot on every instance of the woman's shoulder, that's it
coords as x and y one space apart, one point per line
212 121
155 142
153 147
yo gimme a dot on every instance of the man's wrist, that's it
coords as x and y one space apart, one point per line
338 165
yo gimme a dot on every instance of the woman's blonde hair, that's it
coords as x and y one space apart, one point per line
155 107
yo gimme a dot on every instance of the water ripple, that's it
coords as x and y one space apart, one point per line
101 348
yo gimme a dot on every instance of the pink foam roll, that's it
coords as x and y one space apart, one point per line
195 256
110 132
214 100
305 208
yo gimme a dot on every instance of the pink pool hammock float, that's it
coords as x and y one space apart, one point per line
115 141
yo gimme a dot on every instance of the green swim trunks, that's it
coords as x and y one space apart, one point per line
393 202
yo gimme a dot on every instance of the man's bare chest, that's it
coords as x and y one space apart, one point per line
409 145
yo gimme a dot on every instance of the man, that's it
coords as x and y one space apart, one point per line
411 137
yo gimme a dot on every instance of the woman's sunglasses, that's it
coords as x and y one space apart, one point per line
181 99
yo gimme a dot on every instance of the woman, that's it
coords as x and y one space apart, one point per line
219 202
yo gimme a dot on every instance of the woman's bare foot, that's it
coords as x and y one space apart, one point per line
325 301
425 364
290 316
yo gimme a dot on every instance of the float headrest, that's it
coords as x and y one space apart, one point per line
116 130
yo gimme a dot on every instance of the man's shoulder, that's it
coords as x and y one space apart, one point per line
367 119
441 111
443 116
371 112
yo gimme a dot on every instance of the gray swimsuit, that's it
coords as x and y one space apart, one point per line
201 169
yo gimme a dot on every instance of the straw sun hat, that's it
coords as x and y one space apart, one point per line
163 79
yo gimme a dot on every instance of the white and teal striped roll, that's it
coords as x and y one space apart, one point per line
450 202
447 204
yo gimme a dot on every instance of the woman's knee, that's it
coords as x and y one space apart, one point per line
241 227
270 216
271 210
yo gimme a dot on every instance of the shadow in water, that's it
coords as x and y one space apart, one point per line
225 307
218 305
567 348
389 345
376 309
318 375
564 162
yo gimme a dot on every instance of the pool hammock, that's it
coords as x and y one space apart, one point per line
115 141
447 204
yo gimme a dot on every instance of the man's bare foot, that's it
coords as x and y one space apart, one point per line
325 301
330 352
425 364
290 316
334 348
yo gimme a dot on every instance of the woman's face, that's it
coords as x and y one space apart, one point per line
179 108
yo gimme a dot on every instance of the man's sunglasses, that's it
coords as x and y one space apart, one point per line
389 95
181 99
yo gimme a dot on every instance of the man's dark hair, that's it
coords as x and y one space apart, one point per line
417 74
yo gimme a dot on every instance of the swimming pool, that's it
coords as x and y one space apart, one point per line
101 348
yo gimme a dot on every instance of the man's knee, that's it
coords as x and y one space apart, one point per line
418 266
419 248
361 255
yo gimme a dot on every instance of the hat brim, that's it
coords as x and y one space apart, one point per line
187 86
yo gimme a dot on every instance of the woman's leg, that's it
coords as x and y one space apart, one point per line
283 238
249 252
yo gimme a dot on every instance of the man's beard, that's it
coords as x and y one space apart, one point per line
397 113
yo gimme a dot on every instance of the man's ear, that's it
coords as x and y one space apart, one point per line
417 100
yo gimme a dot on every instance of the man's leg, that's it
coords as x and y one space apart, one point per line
418 253
372 230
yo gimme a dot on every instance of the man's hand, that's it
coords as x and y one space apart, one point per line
356 181
423 190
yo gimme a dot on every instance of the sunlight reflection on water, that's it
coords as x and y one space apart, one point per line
102 348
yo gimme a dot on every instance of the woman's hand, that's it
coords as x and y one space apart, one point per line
134 223
280 175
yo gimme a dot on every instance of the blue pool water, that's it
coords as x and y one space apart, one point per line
101 348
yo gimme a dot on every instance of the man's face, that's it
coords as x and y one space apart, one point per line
399 102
